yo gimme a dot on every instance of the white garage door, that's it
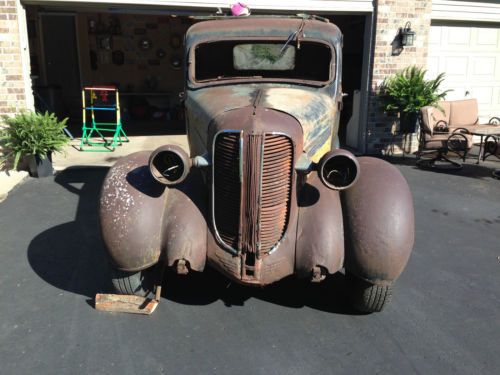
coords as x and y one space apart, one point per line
470 58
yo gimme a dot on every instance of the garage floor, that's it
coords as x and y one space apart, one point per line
443 319
73 157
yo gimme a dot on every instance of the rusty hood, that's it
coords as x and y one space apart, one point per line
314 110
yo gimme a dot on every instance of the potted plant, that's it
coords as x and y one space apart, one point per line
407 92
34 135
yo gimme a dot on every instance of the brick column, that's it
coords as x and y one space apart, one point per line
12 85
390 15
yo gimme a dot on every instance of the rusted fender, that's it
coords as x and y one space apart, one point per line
320 234
379 222
131 211
185 224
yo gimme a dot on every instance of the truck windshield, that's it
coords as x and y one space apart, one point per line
269 60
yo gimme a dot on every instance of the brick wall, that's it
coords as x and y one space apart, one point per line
390 15
12 92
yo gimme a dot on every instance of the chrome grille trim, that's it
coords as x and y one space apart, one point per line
240 167
271 194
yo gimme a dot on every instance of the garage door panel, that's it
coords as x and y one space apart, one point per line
470 58
483 66
458 36
456 66
484 95
435 35
433 67
487 37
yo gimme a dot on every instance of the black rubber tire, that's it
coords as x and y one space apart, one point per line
367 297
139 283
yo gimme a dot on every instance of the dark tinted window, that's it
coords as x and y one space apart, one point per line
215 60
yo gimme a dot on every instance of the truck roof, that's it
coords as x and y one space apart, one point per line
263 26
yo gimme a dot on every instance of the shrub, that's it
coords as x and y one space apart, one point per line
31 133
408 91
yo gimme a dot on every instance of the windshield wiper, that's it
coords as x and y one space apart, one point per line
293 35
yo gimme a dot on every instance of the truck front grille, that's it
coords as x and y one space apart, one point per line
252 187
227 187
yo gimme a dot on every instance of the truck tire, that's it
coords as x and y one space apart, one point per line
367 297
139 283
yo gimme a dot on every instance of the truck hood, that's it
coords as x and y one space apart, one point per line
313 109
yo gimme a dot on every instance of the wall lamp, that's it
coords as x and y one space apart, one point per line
406 35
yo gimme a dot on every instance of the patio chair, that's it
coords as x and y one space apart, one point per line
491 146
437 138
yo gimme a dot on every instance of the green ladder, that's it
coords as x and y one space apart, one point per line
101 100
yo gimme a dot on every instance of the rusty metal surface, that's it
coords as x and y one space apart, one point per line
277 172
259 223
379 222
157 164
227 187
261 27
338 169
242 214
254 224
131 209
195 84
185 223
320 230
314 109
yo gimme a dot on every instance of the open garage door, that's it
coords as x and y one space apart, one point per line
297 6
469 54
136 46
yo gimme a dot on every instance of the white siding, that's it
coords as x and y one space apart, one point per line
453 10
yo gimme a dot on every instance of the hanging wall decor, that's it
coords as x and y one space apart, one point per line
105 42
145 44
176 62
160 53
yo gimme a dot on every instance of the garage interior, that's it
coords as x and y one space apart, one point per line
140 52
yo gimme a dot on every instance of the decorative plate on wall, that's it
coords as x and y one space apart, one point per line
160 53
176 62
145 44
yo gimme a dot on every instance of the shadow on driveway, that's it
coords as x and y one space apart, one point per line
72 257
469 168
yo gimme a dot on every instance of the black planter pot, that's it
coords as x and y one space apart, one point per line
408 122
40 167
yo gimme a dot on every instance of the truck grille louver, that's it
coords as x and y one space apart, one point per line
251 212
227 187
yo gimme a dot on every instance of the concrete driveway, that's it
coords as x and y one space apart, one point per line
444 319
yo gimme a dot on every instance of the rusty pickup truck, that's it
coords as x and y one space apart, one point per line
265 190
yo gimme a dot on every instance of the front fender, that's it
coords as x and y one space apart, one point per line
185 224
320 233
379 222
131 211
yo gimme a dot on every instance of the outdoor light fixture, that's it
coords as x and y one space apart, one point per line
406 35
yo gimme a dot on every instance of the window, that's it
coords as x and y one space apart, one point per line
263 59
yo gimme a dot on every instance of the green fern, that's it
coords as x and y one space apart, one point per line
31 133
409 91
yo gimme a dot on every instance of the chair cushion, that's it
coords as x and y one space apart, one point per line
440 141
431 116
463 113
